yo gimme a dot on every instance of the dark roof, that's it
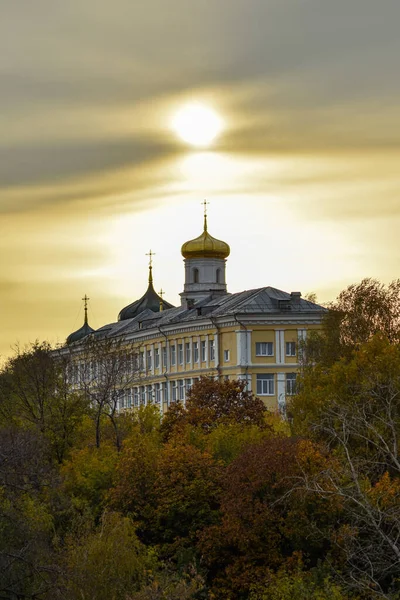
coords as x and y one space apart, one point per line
261 301
79 334
150 300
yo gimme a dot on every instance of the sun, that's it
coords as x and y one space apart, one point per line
197 124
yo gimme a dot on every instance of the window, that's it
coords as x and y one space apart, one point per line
121 396
218 276
181 388
164 356
290 348
180 354
212 350
158 393
196 352
142 395
265 384
128 398
264 349
174 391
165 391
135 396
226 355
157 358
149 359
195 276
141 361
173 354
187 352
203 351
188 385
291 384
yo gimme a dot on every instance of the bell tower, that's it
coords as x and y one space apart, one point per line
205 266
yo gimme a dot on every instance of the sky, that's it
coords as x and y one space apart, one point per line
303 180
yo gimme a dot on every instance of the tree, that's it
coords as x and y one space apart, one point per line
187 491
35 392
103 368
133 491
262 522
360 312
211 402
354 410
87 477
106 562
28 567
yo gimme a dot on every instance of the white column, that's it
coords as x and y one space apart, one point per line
145 359
216 349
243 347
152 358
280 346
248 342
281 390
167 346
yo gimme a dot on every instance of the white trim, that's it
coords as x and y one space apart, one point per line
281 389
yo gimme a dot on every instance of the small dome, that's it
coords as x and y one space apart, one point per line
85 330
149 300
205 246
79 334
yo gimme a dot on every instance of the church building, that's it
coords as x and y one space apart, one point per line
255 335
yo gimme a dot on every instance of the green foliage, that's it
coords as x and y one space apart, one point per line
227 441
167 584
108 562
34 393
360 312
298 584
27 562
133 491
87 477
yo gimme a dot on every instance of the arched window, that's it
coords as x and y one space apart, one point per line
195 276
218 276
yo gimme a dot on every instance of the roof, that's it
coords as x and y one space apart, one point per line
150 300
257 302
80 333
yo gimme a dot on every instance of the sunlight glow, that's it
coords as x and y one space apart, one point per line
197 124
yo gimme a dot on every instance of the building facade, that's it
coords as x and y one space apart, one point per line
254 335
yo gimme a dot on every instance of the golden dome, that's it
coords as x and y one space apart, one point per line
205 246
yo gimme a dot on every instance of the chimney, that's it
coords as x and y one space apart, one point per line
295 297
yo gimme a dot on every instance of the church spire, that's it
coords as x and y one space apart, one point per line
205 214
85 300
150 254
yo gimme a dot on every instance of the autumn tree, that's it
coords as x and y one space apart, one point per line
107 561
211 402
353 408
28 567
35 392
263 521
103 368
359 312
